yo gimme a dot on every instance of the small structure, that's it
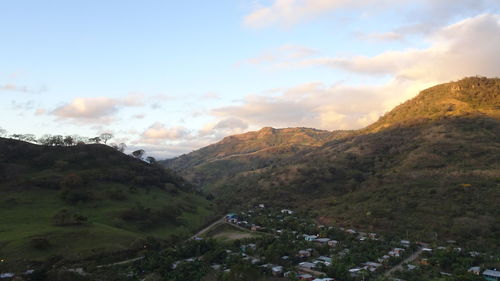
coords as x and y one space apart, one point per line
305 276
322 240
307 265
475 269
304 254
287 212
411 267
351 231
255 228
277 270
405 243
491 275
372 266
310 238
333 243
427 250
231 218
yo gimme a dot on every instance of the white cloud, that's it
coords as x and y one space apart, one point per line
467 48
158 133
423 15
95 110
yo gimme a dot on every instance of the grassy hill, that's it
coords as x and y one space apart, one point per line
429 169
90 200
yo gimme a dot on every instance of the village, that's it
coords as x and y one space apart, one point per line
288 245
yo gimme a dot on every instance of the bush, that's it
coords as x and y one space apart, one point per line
40 243
67 218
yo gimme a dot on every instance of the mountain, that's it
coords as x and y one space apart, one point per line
248 152
87 200
428 169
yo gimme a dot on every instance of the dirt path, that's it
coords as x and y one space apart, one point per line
221 220
409 259
199 233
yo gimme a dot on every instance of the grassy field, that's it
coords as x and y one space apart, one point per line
226 232
120 200
31 217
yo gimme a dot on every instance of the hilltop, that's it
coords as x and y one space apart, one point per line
88 201
248 151
433 159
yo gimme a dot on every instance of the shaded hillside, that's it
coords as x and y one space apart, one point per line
433 159
87 200
248 152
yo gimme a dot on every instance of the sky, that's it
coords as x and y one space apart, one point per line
171 77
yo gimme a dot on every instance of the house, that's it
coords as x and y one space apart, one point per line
261 206
305 276
310 238
255 261
411 267
324 279
351 231
427 250
287 212
307 265
384 258
277 270
304 254
355 271
333 243
372 266
216 266
255 228
325 259
322 240
231 217
475 269
491 275
405 243
6 275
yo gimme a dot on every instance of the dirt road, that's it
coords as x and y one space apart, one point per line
409 259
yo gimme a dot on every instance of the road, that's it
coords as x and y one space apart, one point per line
199 233
409 259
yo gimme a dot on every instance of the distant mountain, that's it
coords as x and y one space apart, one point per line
87 200
248 151
429 168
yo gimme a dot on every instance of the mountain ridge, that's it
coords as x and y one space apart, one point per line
434 147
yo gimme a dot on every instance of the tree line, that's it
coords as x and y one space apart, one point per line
72 140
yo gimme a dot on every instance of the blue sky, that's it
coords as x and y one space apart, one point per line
172 76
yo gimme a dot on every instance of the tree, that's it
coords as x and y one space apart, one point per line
95 140
151 160
28 137
138 153
122 147
106 136
68 140
3 132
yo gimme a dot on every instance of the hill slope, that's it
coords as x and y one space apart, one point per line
82 201
433 159
248 152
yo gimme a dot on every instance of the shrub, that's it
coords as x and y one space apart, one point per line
40 243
